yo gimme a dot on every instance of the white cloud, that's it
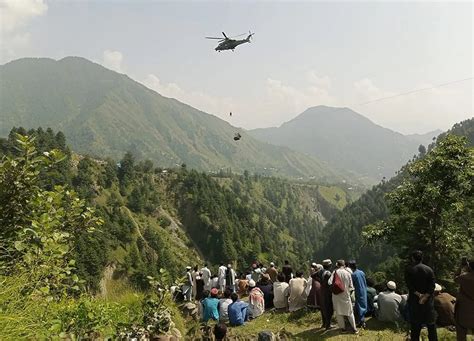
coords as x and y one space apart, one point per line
283 100
16 13
280 102
14 17
219 106
366 90
113 60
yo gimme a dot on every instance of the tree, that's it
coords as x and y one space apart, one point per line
422 150
432 209
39 227
126 170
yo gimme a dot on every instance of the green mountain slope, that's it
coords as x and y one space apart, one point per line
156 218
343 233
345 139
105 113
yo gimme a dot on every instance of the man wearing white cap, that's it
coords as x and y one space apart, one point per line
388 304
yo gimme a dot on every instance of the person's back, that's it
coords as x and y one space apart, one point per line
273 273
464 314
444 306
420 281
280 292
224 305
371 293
256 274
389 306
206 277
256 301
287 271
210 307
266 287
243 286
237 311
297 288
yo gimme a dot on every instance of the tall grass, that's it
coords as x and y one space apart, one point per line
28 317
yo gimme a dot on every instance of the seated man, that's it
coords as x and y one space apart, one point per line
281 292
237 311
224 303
444 306
256 301
210 307
388 304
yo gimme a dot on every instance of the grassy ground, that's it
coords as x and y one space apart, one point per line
334 195
304 325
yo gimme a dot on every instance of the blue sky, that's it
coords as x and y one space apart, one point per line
303 54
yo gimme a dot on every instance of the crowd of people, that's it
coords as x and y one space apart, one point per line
341 289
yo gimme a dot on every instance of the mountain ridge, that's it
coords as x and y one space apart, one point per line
106 113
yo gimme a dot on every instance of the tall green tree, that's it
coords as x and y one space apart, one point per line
432 209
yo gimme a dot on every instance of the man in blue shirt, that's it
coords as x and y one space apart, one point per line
360 288
238 311
210 307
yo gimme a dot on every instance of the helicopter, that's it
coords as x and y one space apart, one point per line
227 43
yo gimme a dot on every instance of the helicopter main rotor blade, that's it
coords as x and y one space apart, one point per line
224 35
240 35
214 38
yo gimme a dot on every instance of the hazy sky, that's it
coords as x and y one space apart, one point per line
304 54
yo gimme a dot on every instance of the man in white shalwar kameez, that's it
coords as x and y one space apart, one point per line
221 276
342 302
206 277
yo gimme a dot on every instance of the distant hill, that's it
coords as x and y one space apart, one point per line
345 139
426 138
105 113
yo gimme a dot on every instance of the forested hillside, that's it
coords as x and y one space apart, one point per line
167 218
343 235
105 113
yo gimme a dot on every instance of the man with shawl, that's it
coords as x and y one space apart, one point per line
342 301
256 300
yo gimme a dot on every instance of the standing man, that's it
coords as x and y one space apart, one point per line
272 272
464 313
326 295
341 278
287 271
188 285
230 278
221 276
194 275
256 272
206 277
360 288
420 281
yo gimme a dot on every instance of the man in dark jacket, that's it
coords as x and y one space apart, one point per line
420 281
287 271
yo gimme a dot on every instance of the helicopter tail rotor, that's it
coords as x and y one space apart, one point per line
250 36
